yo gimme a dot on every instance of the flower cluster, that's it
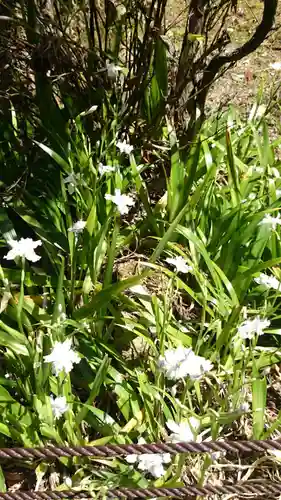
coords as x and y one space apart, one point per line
252 327
185 431
152 463
182 362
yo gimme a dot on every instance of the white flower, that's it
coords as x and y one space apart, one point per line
276 66
59 406
105 169
184 431
179 264
78 227
112 70
252 327
68 481
132 459
72 182
122 201
23 248
62 357
198 366
268 281
181 362
152 463
124 147
174 362
273 221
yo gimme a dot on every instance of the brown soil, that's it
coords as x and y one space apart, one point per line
239 85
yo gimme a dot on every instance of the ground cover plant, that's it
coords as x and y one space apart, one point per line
125 319
140 246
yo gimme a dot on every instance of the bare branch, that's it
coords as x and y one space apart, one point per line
198 95
262 31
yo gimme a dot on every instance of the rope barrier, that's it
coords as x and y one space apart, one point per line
114 450
256 488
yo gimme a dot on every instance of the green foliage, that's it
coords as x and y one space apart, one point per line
212 214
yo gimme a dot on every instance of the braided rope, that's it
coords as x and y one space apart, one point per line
114 450
252 488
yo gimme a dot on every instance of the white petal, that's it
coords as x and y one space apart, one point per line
194 422
131 459
166 458
173 426
157 471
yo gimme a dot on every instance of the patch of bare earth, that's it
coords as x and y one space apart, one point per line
239 85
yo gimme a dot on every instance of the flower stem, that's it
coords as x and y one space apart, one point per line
21 296
73 271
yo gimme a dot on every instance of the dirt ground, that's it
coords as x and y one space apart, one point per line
240 84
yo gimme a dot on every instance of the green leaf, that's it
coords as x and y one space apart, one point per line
51 433
102 298
176 182
55 156
258 402
60 302
5 396
232 166
14 339
5 430
17 347
161 67
2 481
98 381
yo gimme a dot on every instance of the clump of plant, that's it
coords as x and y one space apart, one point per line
176 349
